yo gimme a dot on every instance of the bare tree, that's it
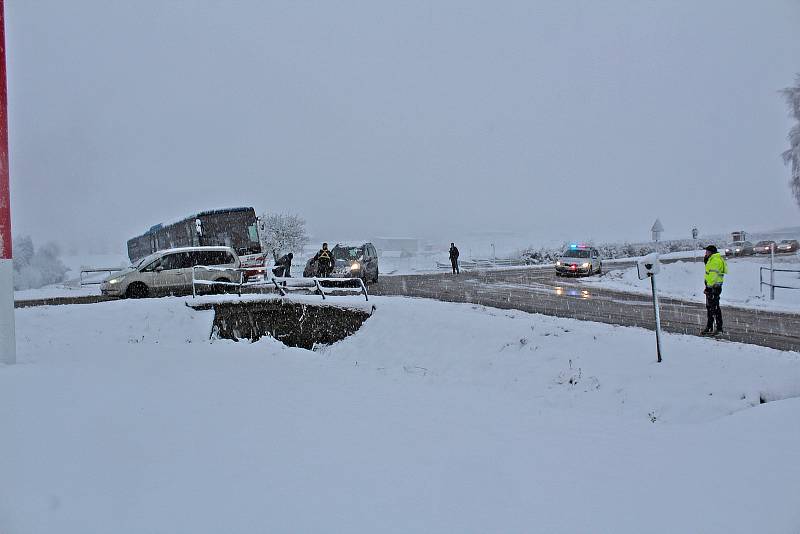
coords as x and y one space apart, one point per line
282 233
792 155
34 268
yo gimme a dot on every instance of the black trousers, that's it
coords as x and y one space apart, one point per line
282 271
713 311
454 262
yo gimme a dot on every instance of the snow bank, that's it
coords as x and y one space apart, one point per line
684 280
434 417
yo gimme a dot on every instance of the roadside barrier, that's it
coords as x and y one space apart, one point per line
477 265
93 270
325 287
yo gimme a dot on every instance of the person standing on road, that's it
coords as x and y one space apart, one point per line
283 266
454 258
716 268
324 261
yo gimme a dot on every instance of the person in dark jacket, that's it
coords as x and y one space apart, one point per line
283 266
454 258
324 261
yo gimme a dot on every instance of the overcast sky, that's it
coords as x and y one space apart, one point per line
554 120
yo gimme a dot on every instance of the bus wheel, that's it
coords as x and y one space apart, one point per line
137 290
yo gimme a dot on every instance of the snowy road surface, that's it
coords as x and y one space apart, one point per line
435 417
540 291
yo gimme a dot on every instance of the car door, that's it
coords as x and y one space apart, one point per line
171 277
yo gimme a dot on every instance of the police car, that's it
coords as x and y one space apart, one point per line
579 259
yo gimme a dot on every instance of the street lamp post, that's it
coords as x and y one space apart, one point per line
8 346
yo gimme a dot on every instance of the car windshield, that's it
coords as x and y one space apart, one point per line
144 261
737 244
788 242
348 253
764 243
576 253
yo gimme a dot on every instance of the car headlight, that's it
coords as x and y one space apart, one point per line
558 263
114 281
738 250
355 266
585 265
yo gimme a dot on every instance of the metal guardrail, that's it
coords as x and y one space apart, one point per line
110 271
216 284
772 270
473 265
771 284
282 285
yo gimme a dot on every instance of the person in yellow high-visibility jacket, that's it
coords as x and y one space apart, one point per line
716 269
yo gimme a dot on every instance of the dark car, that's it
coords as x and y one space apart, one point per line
788 245
739 248
350 261
356 261
764 247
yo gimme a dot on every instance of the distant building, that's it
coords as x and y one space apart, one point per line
739 235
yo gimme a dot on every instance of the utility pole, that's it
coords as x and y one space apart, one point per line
8 345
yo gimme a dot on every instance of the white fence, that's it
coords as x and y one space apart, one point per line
108 271
772 270
282 285
771 282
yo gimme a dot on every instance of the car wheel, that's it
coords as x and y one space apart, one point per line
137 290
219 289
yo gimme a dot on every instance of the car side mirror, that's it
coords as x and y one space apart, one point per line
159 269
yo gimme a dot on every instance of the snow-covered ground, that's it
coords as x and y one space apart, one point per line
434 417
684 280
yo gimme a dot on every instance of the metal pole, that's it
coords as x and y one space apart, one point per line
658 316
8 345
772 272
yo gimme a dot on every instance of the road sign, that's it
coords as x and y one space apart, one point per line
657 230
648 267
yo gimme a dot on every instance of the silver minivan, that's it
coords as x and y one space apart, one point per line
170 272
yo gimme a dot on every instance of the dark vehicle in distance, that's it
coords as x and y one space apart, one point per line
739 248
788 245
236 228
350 261
763 247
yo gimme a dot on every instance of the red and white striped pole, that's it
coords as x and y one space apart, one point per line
8 345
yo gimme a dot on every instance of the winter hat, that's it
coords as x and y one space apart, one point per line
712 249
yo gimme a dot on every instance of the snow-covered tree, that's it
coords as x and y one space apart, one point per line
283 233
36 268
792 155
